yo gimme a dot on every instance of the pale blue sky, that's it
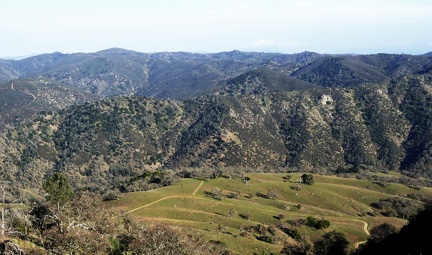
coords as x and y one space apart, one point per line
286 26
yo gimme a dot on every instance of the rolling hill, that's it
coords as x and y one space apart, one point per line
231 219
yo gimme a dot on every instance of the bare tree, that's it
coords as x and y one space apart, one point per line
8 213
4 193
2 225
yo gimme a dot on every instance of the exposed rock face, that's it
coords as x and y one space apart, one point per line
326 99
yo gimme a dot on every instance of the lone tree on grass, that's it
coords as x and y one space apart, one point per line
307 179
217 193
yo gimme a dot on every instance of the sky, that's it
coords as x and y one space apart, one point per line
285 26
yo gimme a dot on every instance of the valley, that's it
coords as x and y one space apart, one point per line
219 153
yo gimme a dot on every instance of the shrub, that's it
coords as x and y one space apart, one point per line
287 178
332 243
397 207
272 193
217 193
307 179
296 188
381 232
321 224
317 224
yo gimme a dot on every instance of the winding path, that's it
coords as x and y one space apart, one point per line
356 244
12 87
365 229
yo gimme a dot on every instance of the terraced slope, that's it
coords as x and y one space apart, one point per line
346 203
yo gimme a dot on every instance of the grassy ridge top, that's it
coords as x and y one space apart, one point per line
342 201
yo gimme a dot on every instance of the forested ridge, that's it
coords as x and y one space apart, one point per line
377 127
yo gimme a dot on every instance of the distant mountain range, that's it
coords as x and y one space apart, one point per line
176 75
303 111
181 75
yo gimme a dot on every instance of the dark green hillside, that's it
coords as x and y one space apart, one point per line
396 65
388 128
92 143
427 69
263 80
415 96
378 127
339 72
201 142
179 79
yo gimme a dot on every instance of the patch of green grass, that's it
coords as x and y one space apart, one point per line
342 201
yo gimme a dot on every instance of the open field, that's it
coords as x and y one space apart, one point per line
342 201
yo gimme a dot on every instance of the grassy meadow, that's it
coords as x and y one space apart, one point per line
345 202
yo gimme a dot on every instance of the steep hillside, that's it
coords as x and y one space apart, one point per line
21 99
384 127
348 71
263 80
103 73
7 72
342 71
395 65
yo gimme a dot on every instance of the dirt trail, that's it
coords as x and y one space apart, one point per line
164 198
365 229
199 186
30 94
356 245
11 86
152 203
